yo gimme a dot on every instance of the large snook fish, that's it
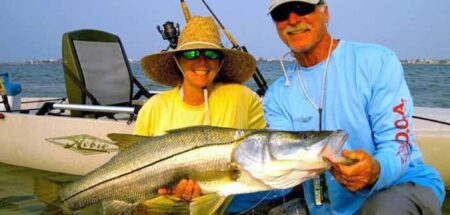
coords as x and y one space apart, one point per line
224 161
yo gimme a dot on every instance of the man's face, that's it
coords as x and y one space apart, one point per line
301 33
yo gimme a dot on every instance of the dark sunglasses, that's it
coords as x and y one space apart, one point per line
208 54
281 13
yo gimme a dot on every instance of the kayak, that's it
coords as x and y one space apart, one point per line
58 143
79 145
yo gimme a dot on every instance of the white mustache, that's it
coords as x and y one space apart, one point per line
299 27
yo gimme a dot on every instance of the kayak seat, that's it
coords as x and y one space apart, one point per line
97 71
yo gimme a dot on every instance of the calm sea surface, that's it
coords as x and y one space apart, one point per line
429 84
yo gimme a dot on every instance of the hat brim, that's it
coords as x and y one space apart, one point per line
237 67
276 3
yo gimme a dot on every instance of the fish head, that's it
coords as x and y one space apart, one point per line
282 159
305 145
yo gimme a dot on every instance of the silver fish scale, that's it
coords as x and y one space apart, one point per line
136 173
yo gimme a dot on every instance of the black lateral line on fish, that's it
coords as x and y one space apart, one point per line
150 164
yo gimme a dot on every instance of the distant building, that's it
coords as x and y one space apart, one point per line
261 59
425 61
45 61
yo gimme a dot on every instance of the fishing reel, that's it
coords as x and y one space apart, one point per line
170 33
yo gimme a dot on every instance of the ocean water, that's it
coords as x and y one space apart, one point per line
17 189
429 84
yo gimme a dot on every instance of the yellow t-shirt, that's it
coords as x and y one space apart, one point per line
230 105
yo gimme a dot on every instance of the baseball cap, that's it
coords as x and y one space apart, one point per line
275 3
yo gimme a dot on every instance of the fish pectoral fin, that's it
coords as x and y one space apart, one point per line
219 175
164 204
124 141
209 204
117 207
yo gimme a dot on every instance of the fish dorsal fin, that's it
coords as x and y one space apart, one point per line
117 207
215 134
195 127
209 204
124 141
165 205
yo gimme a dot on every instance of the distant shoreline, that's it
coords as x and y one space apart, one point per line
407 62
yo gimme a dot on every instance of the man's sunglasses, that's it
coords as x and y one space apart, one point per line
281 13
208 54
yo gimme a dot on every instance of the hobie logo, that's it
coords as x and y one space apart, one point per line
402 135
84 144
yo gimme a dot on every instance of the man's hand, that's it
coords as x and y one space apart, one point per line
364 172
186 189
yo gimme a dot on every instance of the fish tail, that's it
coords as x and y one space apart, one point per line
47 191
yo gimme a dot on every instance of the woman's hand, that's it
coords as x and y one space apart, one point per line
363 173
186 189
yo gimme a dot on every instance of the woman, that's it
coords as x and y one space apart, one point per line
207 84
207 89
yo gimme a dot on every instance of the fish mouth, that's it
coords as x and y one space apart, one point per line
336 142
339 138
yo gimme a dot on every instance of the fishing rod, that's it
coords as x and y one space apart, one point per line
262 84
187 14
431 120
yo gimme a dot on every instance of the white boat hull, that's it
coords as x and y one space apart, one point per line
23 140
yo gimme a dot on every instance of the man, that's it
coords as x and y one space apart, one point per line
359 88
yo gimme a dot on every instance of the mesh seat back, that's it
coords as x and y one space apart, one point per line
96 61
105 72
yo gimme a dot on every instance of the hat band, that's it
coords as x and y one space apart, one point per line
205 43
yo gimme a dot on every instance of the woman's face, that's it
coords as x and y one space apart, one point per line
199 69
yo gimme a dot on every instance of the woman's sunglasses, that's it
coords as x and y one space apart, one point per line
281 13
208 54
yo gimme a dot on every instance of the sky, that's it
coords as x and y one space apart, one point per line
33 29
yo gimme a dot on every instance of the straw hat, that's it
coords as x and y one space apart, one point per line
199 33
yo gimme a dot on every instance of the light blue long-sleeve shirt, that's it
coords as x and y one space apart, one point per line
366 96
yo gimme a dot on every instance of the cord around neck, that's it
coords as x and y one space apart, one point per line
324 83
207 119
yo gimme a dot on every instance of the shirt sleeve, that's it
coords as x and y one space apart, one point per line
390 114
142 125
274 112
